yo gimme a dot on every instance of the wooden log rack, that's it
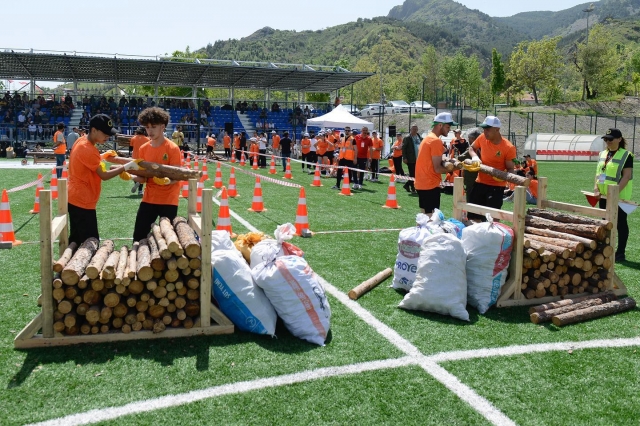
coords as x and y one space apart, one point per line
511 294
40 333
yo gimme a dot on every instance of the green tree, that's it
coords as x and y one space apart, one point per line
634 69
497 74
598 62
431 73
536 65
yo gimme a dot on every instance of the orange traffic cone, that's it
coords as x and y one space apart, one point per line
36 204
287 173
217 183
233 157
316 177
255 163
232 192
6 224
224 218
242 160
196 166
199 195
391 166
53 186
65 173
392 202
272 169
205 172
302 219
257 205
345 184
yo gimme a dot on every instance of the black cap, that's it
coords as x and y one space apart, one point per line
612 134
103 123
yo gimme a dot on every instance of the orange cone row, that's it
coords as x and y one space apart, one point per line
54 184
287 173
316 177
36 204
392 202
224 218
272 168
232 192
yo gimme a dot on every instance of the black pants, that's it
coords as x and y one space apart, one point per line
147 214
623 227
362 165
486 195
412 173
304 157
397 164
227 152
374 168
262 159
343 162
83 224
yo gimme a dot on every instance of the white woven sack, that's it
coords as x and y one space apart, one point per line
244 303
441 281
297 295
409 243
221 240
488 246
269 249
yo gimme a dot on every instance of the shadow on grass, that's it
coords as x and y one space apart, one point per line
630 264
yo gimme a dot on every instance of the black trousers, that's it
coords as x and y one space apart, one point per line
623 227
262 159
397 164
362 165
83 224
412 173
374 168
343 162
147 214
486 195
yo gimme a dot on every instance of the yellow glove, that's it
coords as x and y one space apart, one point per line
473 167
161 181
108 154
103 166
125 176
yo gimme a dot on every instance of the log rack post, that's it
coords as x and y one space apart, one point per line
613 198
458 197
205 242
46 260
63 209
193 194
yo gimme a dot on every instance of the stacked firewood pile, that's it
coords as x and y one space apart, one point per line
570 311
153 285
565 254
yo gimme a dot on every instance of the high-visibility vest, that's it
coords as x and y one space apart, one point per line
346 150
613 172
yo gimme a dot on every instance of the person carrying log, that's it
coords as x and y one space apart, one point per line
160 197
492 149
87 170
615 167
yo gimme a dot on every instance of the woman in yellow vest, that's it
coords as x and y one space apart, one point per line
615 167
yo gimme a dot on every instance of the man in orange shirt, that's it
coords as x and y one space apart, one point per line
346 157
275 142
236 145
429 167
530 164
160 197
376 152
305 149
226 141
139 139
494 151
211 143
59 149
86 173
397 155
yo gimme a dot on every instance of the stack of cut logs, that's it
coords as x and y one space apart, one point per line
570 311
151 286
565 254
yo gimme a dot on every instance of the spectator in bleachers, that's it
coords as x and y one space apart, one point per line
85 102
32 130
206 106
254 107
275 107
39 132
245 106
133 104
226 107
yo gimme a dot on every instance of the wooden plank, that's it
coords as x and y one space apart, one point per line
458 196
613 197
196 223
63 209
205 243
193 194
39 341
30 329
58 224
478 209
518 224
218 316
542 191
589 211
46 267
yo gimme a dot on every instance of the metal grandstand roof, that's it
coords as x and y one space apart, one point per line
69 66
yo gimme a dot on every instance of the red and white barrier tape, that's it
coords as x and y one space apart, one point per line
26 185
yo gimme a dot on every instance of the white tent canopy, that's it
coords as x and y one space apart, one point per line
339 117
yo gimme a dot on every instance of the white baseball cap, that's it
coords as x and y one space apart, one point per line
273 131
491 121
444 118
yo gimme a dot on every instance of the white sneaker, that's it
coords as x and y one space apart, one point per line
135 187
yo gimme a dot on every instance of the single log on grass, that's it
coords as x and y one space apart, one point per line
144 270
99 259
592 312
565 302
545 316
159 170
569 218
367 285
593 232
502 175
76 267
122 265
187 237
157 262
109 268
64 259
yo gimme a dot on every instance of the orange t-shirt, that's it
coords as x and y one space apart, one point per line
226 141
347 150
321 147
331 146
84 183
168 154
136 142
531 164
211 142
533 187
494 156
305 145
59 137
426 176
275 141
236 142
377 148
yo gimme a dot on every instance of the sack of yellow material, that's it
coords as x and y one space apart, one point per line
245 242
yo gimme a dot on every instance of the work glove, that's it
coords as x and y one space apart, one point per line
108 154
161 181
133 165
103 166
125 176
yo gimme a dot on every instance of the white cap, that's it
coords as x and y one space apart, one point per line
306 134
252 139
444 118
235 133
491 121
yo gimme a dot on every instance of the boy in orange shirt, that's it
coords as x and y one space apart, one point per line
211 143
139 139
160 197
376 152
226 141
59 149
86 173
275 142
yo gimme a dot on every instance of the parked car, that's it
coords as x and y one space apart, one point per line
397 107
372 109
424 107
352 109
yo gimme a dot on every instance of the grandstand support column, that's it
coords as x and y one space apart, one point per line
155 95
32 95
198 128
